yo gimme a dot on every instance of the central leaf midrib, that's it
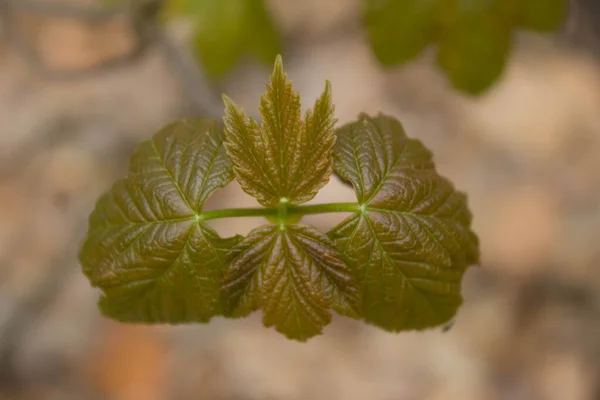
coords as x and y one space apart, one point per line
396 268
175 183
205 178
408 213
156 280
291 282
421 217
145 223
273 192
385 176
320 268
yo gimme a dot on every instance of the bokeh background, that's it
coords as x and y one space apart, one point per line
527 153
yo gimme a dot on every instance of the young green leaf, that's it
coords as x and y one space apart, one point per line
474 46
294 274
412 242
399 30
286 160
225 30
542 15
173 8
220 34
473 36
263 41
146 247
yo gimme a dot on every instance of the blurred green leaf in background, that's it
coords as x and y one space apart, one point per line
225 30
473 36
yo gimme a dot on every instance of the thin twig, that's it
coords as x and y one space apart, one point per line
68 10
582 26
204 102
27 313
12 38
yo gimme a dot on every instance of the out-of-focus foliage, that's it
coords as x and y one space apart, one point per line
473 37
225 30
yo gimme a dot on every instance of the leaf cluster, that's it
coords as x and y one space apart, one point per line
396 262
473 37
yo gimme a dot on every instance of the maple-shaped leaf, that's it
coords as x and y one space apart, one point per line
147 248
294 274
411 242
286 159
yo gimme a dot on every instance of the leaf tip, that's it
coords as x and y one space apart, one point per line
226 99
278 77
363 117
230 105
278 67
327 88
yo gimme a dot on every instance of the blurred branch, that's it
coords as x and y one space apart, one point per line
148 35
142 20
582 27
142 16
68 10
203 101
142 25
24 318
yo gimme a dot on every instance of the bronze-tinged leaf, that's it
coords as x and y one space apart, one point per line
146 247
412 242
294 274
286 159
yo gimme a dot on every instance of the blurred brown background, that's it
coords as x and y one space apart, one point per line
527 153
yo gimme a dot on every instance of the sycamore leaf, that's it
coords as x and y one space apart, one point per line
146 247
286 159
412 242
294 274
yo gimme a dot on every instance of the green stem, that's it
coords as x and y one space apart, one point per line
239 212
323 208
274 211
